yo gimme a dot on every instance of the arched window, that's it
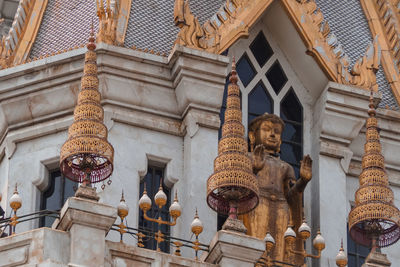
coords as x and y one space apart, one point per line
266 87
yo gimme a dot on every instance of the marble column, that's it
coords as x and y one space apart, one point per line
87 222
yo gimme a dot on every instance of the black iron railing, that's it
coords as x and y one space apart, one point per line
143 235
8 225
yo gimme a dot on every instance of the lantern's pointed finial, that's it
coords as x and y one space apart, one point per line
371 110
122 195
233 78
91 45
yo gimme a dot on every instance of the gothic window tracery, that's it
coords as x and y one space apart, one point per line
266 87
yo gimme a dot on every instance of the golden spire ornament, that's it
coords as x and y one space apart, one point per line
374 221
87 156
232 188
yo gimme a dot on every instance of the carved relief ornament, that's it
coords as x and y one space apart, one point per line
113 21
15 47
383 17
233 20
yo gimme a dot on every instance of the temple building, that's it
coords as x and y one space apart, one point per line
154 81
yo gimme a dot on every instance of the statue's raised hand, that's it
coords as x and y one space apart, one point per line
258 157
306 168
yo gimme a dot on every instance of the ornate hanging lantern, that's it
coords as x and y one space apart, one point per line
87 156
374 221
232 188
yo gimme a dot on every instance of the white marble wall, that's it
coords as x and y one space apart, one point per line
157 110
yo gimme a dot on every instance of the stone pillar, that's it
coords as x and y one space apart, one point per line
87 222
230 249
199 79
340 115
376 259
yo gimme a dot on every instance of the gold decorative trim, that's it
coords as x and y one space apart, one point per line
235 17
122 20
363 73
384 23
113 21
15 47
107 21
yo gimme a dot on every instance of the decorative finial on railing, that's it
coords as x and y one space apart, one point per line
15 204
341 257
160 199
196 227
123 211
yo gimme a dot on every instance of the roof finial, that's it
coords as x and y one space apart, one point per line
91 45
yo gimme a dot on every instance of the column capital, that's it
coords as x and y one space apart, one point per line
341 113
377 259
86 212
235 250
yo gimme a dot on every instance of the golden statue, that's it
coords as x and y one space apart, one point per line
281 195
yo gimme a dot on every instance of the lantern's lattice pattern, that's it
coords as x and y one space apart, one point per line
233 173
87 150
374 212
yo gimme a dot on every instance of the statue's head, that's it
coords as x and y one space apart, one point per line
266 129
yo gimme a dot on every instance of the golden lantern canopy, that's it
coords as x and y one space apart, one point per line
374 217
233 178
87 155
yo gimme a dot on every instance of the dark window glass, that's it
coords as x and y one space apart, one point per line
152 180
276 77
57 192
292 136
291 108
261 49
223 107
356 253
245 70
292 132
291 153
259 102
